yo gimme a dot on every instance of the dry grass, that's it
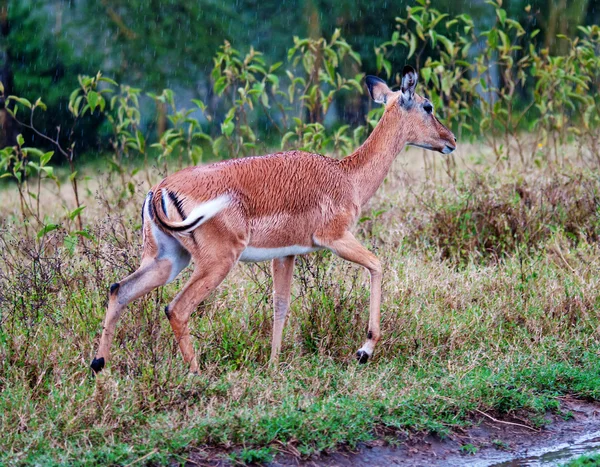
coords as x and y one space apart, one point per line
490 303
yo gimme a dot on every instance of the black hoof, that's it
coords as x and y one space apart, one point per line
97 364
362 356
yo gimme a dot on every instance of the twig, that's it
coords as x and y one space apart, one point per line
506 423
154 451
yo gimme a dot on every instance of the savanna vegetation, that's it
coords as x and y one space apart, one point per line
490 295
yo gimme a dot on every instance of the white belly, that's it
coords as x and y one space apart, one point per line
253 255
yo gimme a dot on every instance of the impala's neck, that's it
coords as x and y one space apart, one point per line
370 163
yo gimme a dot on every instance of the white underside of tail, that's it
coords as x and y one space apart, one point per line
205 211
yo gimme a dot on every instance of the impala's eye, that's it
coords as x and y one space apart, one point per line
428 107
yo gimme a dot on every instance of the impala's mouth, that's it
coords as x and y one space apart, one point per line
447 149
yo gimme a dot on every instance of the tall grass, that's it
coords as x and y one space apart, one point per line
490 303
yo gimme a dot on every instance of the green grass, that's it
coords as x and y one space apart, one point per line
463 330
587 461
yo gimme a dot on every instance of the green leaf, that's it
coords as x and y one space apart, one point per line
200 104
220 85
48 170
501 15
34 152
83 233
46 229
227 127
70 242
388 68
447 44
140 141
413 45
108 80
21 100
286 137
20 140
40 104
426 73
75 212
92 99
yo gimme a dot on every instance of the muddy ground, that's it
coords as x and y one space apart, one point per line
488 442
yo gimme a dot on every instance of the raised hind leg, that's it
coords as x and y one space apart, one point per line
214 257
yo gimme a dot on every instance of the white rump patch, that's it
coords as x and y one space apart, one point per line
253 255
170 248
165 202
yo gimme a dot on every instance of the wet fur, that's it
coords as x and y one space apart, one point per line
279 205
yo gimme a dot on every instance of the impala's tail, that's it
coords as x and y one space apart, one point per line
164 200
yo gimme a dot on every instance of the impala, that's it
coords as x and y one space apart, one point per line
270 208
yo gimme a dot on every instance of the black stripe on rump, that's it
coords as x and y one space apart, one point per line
178 204
191 226
179 208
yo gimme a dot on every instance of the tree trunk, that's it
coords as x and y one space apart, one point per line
563 18
8 127
314 32
161 119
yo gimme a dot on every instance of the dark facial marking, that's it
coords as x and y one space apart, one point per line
427 107
369 335
114 288
167 313
97 364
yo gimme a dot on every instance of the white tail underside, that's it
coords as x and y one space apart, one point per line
203 211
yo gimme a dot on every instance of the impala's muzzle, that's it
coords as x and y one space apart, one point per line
449 146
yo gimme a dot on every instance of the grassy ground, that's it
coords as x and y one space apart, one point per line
588 461
490 303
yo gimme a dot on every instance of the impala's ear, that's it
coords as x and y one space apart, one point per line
378 89
409 82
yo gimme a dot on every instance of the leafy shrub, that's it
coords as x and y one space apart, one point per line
485 219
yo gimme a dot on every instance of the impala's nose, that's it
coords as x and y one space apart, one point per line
448 149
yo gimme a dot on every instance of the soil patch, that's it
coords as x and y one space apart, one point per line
486 443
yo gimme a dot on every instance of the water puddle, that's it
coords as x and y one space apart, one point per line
546 456
556 455
562 441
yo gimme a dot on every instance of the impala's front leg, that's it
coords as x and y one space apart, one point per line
282 269
348 248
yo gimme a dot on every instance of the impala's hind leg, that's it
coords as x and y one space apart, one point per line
213 261
163 259
149 276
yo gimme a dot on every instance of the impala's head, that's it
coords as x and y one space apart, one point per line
412 113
